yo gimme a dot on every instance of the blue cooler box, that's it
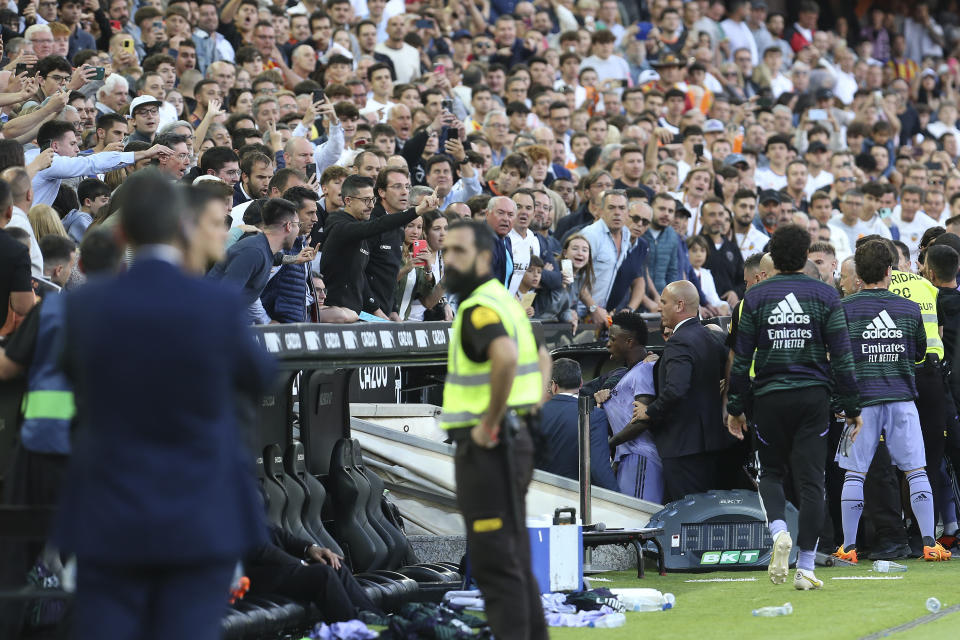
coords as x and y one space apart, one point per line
556 551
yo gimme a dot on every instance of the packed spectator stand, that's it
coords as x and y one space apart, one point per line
612 148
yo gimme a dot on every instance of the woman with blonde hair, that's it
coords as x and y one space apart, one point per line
45 221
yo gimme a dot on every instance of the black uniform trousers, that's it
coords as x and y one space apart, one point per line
498 545
792 429
335 591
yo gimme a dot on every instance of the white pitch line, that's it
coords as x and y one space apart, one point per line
867 578
723 580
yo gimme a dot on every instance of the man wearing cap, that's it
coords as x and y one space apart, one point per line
145 113
670 69
712 129
768 215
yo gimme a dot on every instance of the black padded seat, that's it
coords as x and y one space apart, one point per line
350 492
275 496
314 497
398 589
397 545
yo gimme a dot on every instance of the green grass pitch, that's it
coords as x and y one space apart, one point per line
843 609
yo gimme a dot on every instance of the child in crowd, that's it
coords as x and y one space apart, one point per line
697 249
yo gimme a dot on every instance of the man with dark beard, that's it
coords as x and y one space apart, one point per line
493 390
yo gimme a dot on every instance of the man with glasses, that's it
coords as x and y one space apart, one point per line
249 261
173 164
145 113
40 37
392 187
495 128
629 292
222 163
61 137
346 244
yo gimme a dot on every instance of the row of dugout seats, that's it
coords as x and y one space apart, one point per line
347 512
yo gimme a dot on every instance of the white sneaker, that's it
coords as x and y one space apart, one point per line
780 558
805 580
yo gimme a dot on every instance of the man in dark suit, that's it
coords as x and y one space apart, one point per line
686 417
559 427
159 503
299 569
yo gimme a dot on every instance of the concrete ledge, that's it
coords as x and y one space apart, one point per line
452 548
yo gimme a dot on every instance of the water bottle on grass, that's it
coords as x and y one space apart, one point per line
773 612
886 566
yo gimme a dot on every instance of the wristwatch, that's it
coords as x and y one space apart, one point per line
592 308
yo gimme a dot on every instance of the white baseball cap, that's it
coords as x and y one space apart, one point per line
139 101
648 76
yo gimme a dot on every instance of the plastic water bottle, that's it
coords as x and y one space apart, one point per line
609 621
773 612
933 605
647 600
886 566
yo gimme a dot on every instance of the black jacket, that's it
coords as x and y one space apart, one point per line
686 417
346 252
726 266
386 256
283 549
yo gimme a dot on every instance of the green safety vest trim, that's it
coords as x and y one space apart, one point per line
466 394
484 378
52 405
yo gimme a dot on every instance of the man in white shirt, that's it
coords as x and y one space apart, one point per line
773 60
62 138
602 60
749 239
817 177
946 121
870 212
774 176
821 209
380 81
22 193
406 59
737 31
851 202
912 222
923 36
523 242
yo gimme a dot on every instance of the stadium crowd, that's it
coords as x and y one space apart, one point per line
614 149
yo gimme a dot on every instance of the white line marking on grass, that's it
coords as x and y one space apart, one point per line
723 580
867 578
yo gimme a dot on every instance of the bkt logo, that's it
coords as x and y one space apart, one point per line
788 311
730 557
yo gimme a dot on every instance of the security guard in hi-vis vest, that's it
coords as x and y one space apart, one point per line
496 373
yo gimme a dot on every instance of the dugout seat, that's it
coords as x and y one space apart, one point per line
314 497
396 542
350 491
272 490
